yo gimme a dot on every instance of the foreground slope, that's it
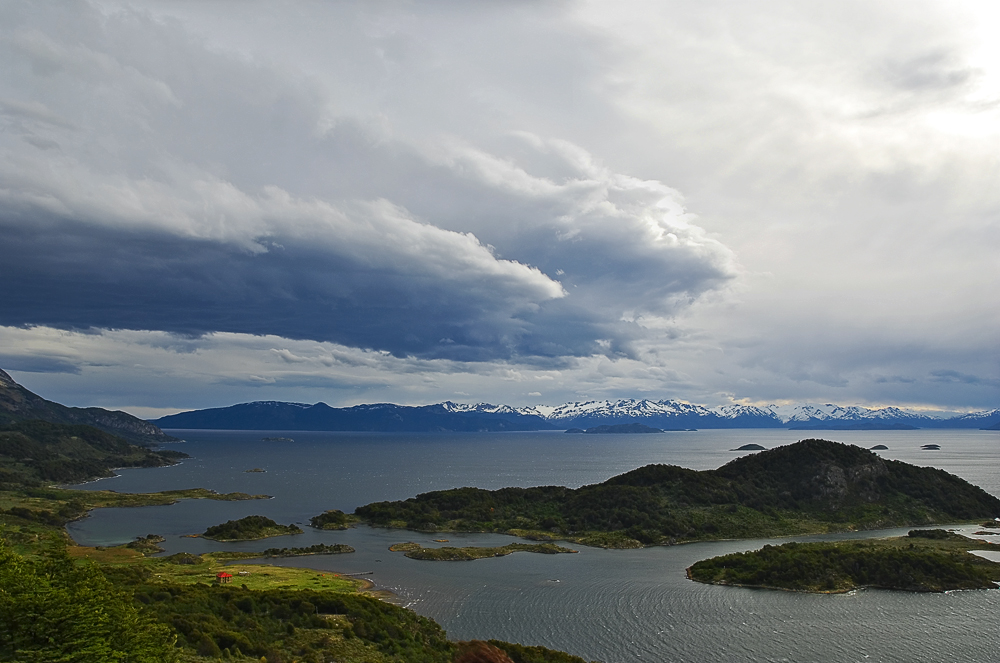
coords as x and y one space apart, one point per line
809 486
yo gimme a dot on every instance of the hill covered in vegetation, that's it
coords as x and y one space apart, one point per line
809 486
19 404
249 529
925 561
34 452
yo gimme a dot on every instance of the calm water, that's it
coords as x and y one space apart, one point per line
600 604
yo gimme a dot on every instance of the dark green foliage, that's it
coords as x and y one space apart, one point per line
846 565
934 534
146 544
251 527
452 554
812 485
333 519
55 611
317 549
522 654
264 623
33 452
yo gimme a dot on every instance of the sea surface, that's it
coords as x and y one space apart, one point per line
607 605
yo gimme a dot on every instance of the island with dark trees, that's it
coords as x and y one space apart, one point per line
250 528
812 486
315 549
927 560
469 553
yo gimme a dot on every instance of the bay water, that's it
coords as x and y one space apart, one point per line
608 605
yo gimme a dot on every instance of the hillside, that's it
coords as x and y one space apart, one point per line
809 486
34 452
249 528
19 404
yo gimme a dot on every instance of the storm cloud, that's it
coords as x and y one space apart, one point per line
152 183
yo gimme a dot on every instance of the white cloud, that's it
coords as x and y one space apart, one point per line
501 184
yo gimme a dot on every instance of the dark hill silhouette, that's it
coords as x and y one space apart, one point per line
809 486
19 404
269 415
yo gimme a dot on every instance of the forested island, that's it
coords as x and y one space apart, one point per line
468 553
250 528
315 549
932 560
811 486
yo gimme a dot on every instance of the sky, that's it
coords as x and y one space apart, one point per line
206 203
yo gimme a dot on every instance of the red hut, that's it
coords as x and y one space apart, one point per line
224 577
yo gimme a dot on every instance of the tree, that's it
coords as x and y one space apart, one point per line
57 611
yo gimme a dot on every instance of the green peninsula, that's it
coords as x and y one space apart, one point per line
333 519
469 553
250 528
924 561
812 486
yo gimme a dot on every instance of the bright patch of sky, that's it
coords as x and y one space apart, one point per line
530 202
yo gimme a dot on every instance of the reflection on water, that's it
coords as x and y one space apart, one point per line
612 605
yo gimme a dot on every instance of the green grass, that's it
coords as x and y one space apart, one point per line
259 576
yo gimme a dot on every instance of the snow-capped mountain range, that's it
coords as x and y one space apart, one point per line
448 416
676 414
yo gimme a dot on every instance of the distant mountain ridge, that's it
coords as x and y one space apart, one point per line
18 404
462 417
383 417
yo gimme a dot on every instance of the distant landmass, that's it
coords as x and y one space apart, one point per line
617 429
385 417
663 414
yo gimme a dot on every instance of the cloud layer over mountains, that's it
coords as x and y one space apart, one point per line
517 202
